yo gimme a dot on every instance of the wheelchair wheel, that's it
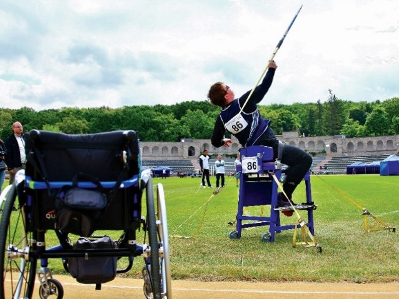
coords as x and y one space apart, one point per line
16 264
55 290
152 276
164 240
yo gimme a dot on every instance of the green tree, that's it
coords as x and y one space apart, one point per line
334 115
395 124
350 128
51 128
305 114
319 124
5 123
377 123
289 121
72 125
179 110
391 107
198 124
309 126
27 117
274 116
46 117
137 118
358 115
164 127
105 119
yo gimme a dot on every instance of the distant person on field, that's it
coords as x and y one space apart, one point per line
220 171
204 164
237 163
15 151
3 165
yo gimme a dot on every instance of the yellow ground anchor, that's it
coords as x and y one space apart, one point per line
372 228
380 225
301 223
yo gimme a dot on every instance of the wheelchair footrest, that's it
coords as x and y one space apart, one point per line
301 206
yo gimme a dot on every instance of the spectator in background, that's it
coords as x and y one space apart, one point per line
220 171
3 165
237 163
204 164
15 151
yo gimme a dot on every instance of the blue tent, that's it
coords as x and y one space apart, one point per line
373 167
356 168
363 168
390 166
161 171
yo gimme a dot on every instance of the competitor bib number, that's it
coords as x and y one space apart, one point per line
249 165
236 124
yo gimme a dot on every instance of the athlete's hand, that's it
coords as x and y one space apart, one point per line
227 142
272 64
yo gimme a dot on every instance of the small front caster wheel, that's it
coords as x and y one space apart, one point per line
54 290
266 237
233 235
319 249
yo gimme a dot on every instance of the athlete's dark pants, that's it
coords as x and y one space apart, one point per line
297 160
218 176
205 174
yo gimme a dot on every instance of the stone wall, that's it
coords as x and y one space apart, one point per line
324 145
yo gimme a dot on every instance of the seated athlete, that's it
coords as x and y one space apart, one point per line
242 119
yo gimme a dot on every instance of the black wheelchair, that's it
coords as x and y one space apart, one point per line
101 174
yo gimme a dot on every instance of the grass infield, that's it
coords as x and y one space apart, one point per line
349 252
201 249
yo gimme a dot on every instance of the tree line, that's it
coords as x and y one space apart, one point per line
195 119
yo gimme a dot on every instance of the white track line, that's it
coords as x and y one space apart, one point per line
249 291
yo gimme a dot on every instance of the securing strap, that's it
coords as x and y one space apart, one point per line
42 171
300 222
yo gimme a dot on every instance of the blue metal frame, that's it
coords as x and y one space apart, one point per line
259 188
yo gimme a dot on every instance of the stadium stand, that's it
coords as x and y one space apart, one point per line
177 165
316 161
337 165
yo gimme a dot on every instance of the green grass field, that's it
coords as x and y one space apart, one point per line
349 252
202 250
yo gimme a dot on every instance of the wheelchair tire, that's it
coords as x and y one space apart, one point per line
56 290
151 223
17 266
164 239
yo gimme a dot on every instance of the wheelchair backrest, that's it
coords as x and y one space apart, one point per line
56 158
59 156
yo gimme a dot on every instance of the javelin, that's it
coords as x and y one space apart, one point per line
271 58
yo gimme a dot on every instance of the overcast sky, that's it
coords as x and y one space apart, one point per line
92 53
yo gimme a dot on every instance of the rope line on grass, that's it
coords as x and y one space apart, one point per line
214 193
365 212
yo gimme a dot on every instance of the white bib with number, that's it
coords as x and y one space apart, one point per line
250 165
236 124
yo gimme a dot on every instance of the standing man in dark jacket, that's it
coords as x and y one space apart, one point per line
15 151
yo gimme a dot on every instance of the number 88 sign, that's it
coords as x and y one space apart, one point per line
250 165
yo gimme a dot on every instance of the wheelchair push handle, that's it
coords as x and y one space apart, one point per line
129 135
34 134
